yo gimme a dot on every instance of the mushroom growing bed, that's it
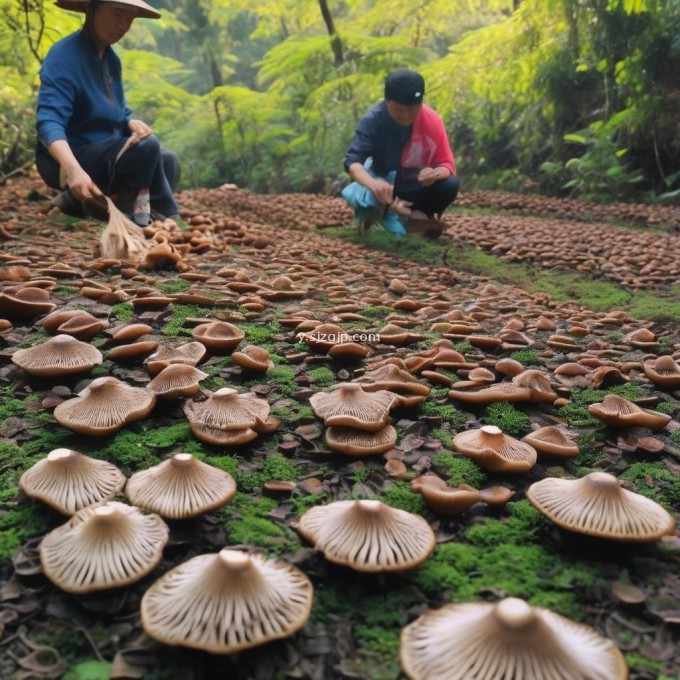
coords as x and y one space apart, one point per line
266 406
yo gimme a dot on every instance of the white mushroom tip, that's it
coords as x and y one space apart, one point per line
514 613
225 392
59 454
491 429
183 457
369 506
105 511
234 560
602 480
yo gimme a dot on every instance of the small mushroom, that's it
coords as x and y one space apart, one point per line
619 412
103 546
353 442
508 639
69 481
664 372
348 405
58 356
394 379
495 451
218 337
368 535
550 441
24 302
226 602
104 406
191 353
181 487
596 505
253 358
176 381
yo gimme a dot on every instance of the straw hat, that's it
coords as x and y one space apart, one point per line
144 10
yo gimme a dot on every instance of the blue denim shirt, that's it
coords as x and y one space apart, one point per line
81 97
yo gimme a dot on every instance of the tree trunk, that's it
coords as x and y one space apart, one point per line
336 42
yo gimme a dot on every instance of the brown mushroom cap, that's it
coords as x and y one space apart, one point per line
219 337
104 406
353 442
83 326
443 499
596 505
24 302
253 358
226 602
368 536
103 546
348 405
58 356
617 411
181 487
550 441
664 372
227 417
68 481
190 353
541 391
492 393
495 451
177 380
508 639
394 379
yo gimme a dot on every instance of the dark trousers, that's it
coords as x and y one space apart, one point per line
432 200
144 165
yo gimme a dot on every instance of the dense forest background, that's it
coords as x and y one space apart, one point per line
566 97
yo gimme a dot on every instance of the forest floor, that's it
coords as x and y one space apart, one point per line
578 283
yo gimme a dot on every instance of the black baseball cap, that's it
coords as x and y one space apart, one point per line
405 86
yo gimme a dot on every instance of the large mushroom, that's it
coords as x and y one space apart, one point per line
368 535
176 381
57 356
495 451
508 639
550 441
394 379
104 406
68 481
619 412
348 405
226 602
664 372
103 546
181 487
227 417
596 505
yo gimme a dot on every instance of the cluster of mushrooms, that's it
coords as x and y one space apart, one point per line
236 599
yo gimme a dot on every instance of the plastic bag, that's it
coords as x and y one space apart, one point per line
123 239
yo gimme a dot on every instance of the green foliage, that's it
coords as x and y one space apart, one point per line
174 286
510 419
458 470
576 411
322 376
655 481
447 412
399 495
526 357
123 312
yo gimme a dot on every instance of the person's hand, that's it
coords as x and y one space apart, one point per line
383 191
401 207
428 176
139 130
81 184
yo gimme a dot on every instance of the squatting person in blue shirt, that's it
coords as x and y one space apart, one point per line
84 123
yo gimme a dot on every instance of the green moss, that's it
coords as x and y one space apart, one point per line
668 407
361 475
322 376
282 378
303 503
444 435
165 437
526 357
399 495
175 327
464 347
18 522
666 485
675 437
247 523
257 335
278 467
458 470
447 412
377 312
123 312
174 286
291 414
510 419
